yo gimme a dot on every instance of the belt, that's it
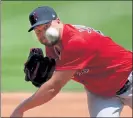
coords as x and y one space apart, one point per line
124 88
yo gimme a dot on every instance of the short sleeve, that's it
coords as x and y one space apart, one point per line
75 56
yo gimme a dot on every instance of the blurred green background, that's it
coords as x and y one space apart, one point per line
112 18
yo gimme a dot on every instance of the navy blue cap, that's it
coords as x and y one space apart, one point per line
41 15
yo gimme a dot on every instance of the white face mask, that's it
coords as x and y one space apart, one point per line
52 35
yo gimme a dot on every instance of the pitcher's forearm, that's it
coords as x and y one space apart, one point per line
36 100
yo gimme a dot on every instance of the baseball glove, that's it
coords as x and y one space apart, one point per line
38 69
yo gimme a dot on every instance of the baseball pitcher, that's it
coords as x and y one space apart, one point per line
80 53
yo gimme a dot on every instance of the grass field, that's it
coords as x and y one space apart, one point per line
112 18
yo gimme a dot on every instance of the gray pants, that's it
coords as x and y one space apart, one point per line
112 107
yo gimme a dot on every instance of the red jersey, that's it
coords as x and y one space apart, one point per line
102 65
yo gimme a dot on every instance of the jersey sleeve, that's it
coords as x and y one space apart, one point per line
75 56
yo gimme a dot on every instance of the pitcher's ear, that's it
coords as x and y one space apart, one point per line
58 20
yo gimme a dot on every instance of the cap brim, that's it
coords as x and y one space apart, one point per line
38 23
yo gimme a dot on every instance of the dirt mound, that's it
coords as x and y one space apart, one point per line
63 105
